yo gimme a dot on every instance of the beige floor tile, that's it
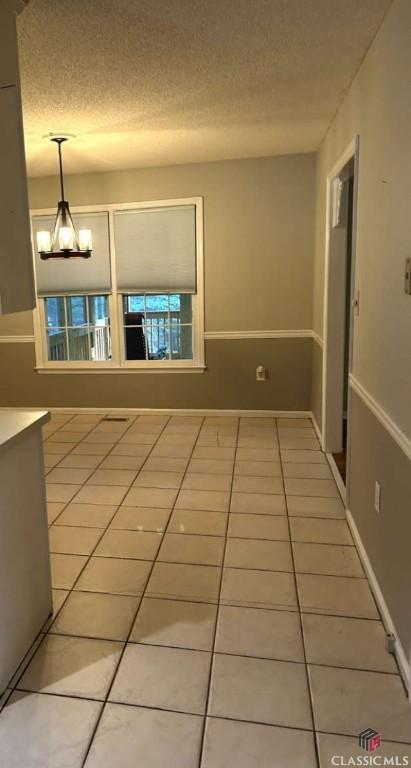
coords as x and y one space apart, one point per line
230 744
92 449
315 471
59 596
175 623
87 515
101 494
158 479
72 666
184 548
77 461
139 545
169 678
298 423
258 503
100 437
348 748
70 476
112 477
64 436
115 427
203 482
214 452
254 690
336 595
56 449
343 642
258 554
363 698
115 576
310 487
245 484
65 569
52 459
173 439
288 455
72 540
164 738
151 497
215 501
258 632
211 466
258 468
54 508
48 724
188 582
216 440
141 519
320 531
171 452
274 527
196 522
306 432
86 418
61 492
328 559
131 449
314 506
258 454
123 462
303 443
87 614
266 442
266 589
164 464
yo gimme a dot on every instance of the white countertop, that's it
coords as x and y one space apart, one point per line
13 423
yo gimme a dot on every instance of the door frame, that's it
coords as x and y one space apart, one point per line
333 366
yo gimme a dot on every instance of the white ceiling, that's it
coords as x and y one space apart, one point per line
158 82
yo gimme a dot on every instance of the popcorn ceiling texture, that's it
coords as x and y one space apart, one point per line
160 82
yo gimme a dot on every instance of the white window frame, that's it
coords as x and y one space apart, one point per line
118 363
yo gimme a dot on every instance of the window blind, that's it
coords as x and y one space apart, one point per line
75 276
156 249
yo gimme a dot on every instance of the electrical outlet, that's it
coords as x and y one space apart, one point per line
261 373
377 497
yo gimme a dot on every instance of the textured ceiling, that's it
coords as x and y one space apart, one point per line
155 82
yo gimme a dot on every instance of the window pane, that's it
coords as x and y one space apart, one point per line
157 303
134 303
98 310
79 343
54 312
181 342
76 311
56 345
153 326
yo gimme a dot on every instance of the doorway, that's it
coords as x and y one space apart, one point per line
339 306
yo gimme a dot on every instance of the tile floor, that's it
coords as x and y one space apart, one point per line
210 607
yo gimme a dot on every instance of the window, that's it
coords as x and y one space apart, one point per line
137 303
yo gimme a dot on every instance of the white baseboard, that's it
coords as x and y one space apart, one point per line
403 662
337 477
172 411
317 428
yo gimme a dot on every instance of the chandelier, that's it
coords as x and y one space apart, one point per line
64 243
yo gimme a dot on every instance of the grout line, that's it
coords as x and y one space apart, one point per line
309 690
213 647
136 612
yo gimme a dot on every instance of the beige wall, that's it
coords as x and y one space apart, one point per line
258 244
377 107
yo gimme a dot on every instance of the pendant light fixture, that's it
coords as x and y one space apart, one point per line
64 243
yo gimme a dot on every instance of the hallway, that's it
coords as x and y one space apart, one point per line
210 606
